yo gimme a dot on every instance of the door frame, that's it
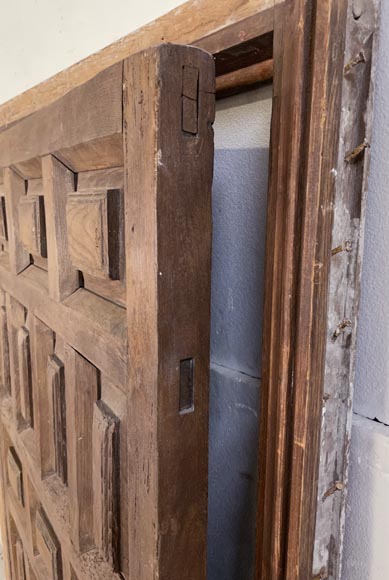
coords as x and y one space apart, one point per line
305 352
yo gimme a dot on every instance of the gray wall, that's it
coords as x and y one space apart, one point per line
242 131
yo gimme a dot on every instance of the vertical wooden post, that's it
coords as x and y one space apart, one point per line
168 112
309 53
58 181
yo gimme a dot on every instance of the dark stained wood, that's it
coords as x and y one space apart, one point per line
244 79
68 122
56 385
168 277
42 343
308 81
81 393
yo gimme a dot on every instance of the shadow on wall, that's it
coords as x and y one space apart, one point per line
239 221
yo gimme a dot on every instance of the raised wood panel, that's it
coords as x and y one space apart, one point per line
95 233
32 226
24 372
20 561
90 443
15 189
106 488
5 376
81 394
48 545
15 475
56 386
42 343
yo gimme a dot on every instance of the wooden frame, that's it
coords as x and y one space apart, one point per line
321 52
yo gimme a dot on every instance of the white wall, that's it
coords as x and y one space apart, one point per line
366 554
42 37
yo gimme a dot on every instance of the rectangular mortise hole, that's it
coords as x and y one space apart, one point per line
186 386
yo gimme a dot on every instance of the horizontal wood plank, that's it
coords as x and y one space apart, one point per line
197 21
68 122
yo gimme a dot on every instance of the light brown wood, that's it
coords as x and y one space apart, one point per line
106 488
58 183
32 227
48 546
15 189
42 348
15 475
4 349
24 373
69 122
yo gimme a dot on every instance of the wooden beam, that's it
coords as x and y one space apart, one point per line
168 175
69 122
308 77
187 24
244 79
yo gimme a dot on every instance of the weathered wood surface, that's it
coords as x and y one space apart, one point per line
163 159
74 378
309 77
351 183
192 23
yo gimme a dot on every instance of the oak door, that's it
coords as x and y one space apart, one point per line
105 236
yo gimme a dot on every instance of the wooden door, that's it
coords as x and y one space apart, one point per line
105 227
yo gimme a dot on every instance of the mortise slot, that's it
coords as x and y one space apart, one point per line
186 386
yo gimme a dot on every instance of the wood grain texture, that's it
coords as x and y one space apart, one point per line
15 189
81 393
106 488
168 176
56 385
20 561
42 346
344 285
32 226
24 373
186 24
69 122
15 475
4 349
95 234
17 319
48 545
309 72
58 183
293 349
